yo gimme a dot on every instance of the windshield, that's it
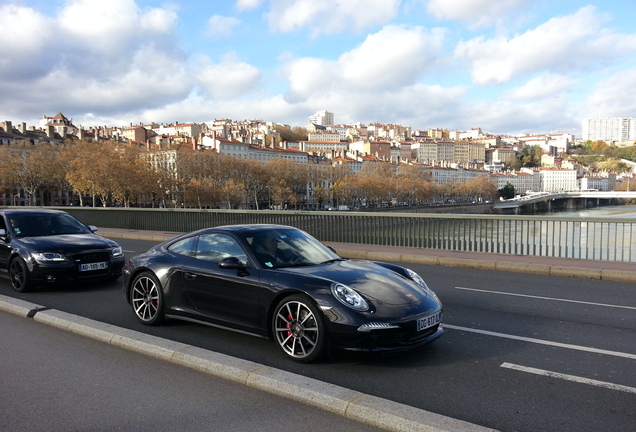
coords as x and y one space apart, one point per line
45 224
289 248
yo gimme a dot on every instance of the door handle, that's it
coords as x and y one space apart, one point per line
190 276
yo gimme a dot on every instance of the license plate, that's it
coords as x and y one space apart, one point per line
93 266
429 321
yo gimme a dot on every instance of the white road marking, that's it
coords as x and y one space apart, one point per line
546 298
543 342
573 378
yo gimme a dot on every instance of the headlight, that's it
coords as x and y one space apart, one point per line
48 257
349 297
417 278
117 252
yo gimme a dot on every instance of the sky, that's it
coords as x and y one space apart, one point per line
505 66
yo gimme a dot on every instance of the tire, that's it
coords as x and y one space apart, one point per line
146 299
19 275
299 329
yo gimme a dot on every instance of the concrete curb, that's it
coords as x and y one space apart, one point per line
351 404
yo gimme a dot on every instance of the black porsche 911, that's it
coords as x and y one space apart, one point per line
47 247
279 282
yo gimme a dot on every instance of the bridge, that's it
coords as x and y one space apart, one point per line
547 201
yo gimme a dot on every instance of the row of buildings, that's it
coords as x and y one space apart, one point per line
449 156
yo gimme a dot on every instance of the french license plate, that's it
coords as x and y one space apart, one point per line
429 321
93 266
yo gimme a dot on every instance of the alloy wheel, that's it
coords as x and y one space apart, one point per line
19 275
299 330
146 299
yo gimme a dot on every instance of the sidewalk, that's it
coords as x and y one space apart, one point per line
606 270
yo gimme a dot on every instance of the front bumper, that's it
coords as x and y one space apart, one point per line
403 336
55 274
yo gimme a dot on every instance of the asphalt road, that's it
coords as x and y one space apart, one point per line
53 380
521 353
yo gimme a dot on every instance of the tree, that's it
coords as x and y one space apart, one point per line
32 167
508 191
531 156
288 133
479 188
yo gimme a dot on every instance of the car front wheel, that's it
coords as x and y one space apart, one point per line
299 329
146 299
19 275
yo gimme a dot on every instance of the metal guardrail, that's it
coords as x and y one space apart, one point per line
604 239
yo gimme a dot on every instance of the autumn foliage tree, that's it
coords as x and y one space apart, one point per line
32 168
112 173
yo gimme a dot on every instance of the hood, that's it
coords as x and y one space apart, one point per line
369 279
69 242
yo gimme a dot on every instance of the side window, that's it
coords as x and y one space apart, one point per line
185 247
215 247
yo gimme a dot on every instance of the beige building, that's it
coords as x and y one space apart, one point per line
504 155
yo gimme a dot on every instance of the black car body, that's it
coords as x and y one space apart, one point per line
304 295
40 246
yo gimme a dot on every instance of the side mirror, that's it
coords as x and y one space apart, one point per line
3 233
92 228
231 263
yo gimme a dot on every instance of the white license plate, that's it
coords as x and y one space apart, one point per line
93 266
429 321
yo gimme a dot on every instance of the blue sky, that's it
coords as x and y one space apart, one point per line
506 66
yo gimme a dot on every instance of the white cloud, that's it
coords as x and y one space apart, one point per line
219 27
25 36
557 44
309 77
100 56
109 27
391 58
330 16
613 96
546 85
229 79
475 13
246 5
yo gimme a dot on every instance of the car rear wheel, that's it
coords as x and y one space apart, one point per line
19 275
146 299
299 329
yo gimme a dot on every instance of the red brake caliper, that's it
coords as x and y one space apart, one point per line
289 320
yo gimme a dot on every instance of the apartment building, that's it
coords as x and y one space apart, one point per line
469 152
379 149
433 152
322 118
599 183
503 155
178 129
60 124
443 175
248 151
552 179
521 181
609 129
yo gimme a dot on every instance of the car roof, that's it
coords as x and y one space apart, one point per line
34 211
246 230
251 227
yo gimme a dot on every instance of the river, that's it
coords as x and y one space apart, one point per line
622 211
